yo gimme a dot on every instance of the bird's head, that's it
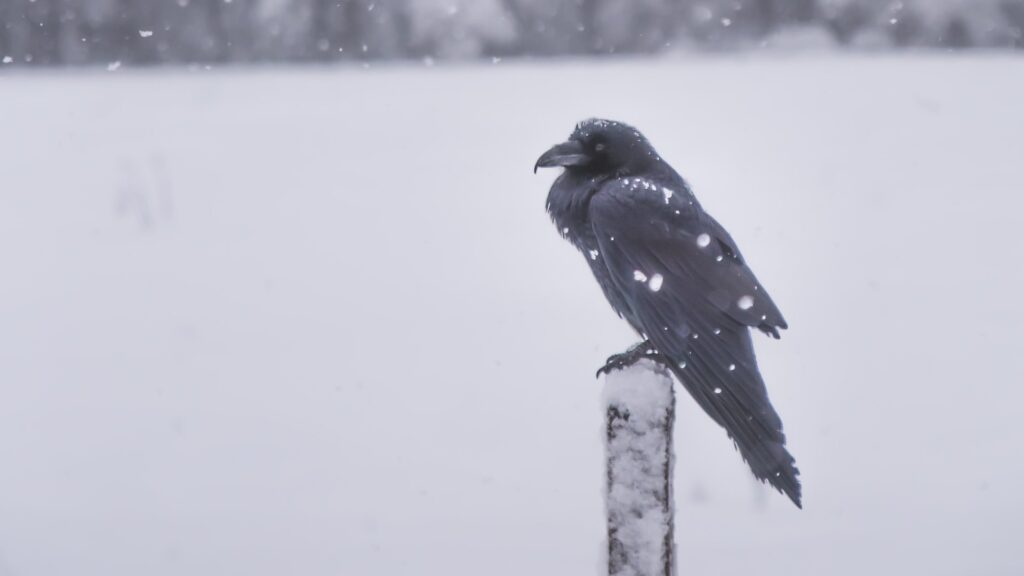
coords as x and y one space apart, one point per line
601 146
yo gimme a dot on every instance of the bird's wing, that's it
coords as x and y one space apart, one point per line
692 244
686 283
734 280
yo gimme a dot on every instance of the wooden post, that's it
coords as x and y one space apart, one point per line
640 410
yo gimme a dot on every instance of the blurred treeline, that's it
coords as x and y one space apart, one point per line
47 32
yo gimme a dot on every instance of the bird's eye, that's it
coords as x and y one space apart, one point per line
599 147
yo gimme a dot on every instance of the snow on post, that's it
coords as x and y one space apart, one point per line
640 409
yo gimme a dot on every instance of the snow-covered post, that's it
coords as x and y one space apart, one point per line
640 406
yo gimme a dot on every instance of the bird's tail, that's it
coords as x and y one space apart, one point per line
731 391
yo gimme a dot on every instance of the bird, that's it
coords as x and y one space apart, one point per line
678 278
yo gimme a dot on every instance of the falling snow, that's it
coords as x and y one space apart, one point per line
703 240
639 276
746 302
655 282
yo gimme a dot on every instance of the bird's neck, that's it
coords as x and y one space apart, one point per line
569 200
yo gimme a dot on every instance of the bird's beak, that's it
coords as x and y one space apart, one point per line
569 153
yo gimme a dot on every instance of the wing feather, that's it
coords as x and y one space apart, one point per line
687 285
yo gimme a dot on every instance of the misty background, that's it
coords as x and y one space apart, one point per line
50 32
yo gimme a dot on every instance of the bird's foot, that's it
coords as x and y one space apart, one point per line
638 352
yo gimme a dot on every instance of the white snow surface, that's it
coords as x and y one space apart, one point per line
637 453
316 321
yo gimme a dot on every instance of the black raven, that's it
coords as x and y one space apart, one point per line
677 277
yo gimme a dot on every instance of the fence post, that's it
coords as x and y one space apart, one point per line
640 410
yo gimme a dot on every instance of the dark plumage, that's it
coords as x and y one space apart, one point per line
677 277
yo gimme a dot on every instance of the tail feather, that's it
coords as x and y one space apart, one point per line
732 394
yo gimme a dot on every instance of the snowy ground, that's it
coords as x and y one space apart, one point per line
317 322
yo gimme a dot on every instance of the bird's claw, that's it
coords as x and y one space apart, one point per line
628 358
612 364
